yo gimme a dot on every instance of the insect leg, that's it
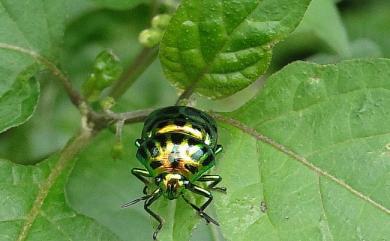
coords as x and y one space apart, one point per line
126 205
218 149
138 142
142 175
214 179
156 194
204 193
201 213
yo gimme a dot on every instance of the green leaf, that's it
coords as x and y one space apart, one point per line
323 20
102 29
369 20
219 47
108 184
19 102
119 4
361 48
320 169
24 30
106 69
22 189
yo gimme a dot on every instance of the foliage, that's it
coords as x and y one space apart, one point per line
306 155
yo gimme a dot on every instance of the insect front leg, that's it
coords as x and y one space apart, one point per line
214 180
142 175
156 194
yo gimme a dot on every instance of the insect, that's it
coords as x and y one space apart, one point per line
177 147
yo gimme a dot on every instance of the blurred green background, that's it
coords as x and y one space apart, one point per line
332 30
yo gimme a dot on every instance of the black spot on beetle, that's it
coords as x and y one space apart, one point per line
179 122
208 160
162 139
142 153
177 138
155 164
193 141
174 161
152 148
193 169
162 124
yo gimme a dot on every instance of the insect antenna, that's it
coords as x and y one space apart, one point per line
126 205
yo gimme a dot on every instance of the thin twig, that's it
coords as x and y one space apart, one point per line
73 94
98 120
184 97
154 8
140 63
102 120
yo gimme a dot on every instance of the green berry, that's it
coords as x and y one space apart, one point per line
161 21
150 37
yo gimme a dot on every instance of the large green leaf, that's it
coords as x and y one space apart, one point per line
309 157
369 20
332 31
220 47
27 28
27 214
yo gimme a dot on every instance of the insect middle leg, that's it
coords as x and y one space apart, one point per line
142 175
214 179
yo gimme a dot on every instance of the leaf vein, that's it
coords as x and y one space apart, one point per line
65 158
323 207
252 132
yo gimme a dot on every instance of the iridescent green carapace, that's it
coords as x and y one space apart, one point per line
177 147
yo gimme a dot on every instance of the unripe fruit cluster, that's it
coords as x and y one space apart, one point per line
152 36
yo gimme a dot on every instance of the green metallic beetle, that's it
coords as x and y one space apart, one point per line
177 147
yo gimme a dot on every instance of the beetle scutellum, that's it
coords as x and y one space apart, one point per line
177 147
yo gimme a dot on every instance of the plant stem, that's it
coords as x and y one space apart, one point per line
74 146
140 63
99 120
184 97
154 8
73 94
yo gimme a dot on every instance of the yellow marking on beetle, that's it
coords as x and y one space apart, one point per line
184 153
187 129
